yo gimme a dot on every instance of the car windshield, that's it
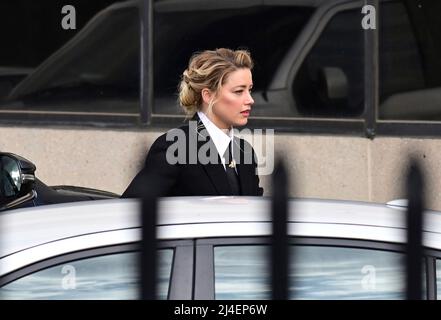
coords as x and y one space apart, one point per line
82 70
96 68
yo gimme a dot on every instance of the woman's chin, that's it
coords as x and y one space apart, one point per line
241 122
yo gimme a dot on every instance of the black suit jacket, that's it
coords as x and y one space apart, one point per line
191 175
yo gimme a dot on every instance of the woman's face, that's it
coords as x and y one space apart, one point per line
233 101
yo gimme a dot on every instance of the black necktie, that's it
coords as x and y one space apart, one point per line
230 166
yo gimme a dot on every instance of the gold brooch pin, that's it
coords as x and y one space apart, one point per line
232 164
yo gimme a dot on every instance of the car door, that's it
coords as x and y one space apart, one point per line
319 269
103 273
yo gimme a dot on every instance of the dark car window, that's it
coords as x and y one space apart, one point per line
318 272
330 81
113 276
10 180
410 64
180 29
91 69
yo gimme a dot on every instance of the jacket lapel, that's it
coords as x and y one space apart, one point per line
218 178
215 171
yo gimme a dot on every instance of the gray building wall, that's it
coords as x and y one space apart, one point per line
323 166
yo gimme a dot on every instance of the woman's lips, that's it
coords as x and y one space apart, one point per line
245 113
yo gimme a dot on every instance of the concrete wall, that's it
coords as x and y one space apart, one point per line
334 167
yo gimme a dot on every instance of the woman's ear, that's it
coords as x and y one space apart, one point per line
207 96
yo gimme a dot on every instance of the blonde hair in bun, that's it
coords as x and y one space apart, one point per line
209 69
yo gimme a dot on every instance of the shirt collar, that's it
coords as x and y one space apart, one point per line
220 139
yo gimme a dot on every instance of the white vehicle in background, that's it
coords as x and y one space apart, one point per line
211 248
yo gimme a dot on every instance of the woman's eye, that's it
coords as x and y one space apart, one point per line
238 92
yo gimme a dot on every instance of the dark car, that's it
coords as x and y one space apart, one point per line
20 188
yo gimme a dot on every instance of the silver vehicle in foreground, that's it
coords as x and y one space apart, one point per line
211 248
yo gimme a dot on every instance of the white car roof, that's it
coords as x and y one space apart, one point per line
41 232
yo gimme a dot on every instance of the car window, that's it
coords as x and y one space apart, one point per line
10 180
438 279
241 272
268 31
347 273
330 81
410 68
318 272
113 276
90 67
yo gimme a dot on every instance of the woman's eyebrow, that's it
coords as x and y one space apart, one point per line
242 86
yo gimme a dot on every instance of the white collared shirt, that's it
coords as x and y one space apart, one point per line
220 139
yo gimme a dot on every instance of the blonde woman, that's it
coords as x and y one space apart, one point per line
203 157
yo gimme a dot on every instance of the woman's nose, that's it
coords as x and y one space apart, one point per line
249 99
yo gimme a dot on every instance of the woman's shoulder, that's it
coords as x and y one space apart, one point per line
171 136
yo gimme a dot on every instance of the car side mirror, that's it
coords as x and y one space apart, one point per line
333 84
16 180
